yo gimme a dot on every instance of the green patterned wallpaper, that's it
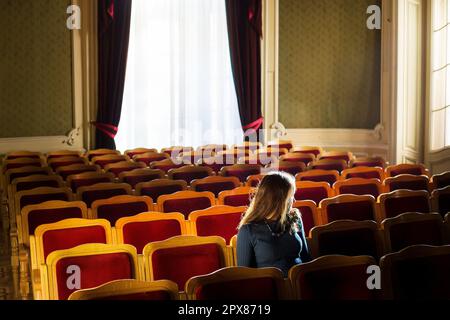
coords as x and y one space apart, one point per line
35 68
329 65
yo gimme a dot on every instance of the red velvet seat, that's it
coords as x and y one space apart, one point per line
403 201
136 176
336 155
20 163
23 172
102 161
238 284
441 201
63 154
166 165
441 181
333 278
50 212
410 229
123 166
39 195
359 186
70 233
290 167
76 169
349 207
363 173
408 182
185 202
149 158
314 191
310 215
102 191
149 227
55 163
100 152
413 169
215 184
329 164
417 273
368 162
22 154
87 179
157 188
240 171
318 175
347 237
219 221
312 150
305 158
138 151
36 181
180 258
239 197
190 173
118 207
117 262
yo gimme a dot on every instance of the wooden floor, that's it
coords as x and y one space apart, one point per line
6 291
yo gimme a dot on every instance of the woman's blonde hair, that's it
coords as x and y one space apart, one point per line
272 199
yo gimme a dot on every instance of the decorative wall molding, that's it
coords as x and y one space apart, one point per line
379 141
84 75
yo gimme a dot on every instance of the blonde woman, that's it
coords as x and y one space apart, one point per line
271 232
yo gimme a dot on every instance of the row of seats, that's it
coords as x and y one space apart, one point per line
201 267
326 278
340 237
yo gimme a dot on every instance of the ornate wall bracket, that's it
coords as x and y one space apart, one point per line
71 137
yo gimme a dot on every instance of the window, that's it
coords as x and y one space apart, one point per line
179 88
440 77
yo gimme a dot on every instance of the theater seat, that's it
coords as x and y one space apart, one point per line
403 201
219 221
166 165
440 181
20 163
310 215
22 154
55 163
329 164
63 154
156 188
238 284
102 161
313 150
76 169
359 186
305 158
290 167
126 290
316 175
417 273
87 179
348 207
363 173
117 262
123 166
414 169
101 191
368 162
117 207
149 227
189 173
215 184
314 191
240 171
185 202
239 197
408 182
180 258
281 144
337 155
333 278
150 157
410 229
100 152
138 151
347 237
253 181
136 176
440 200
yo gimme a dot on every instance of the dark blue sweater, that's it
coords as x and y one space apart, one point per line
258 247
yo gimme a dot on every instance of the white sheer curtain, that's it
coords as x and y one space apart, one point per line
179 88
440 76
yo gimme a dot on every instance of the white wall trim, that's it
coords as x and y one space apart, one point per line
377 141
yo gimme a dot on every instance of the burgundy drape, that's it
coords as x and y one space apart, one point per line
113 37
244 18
